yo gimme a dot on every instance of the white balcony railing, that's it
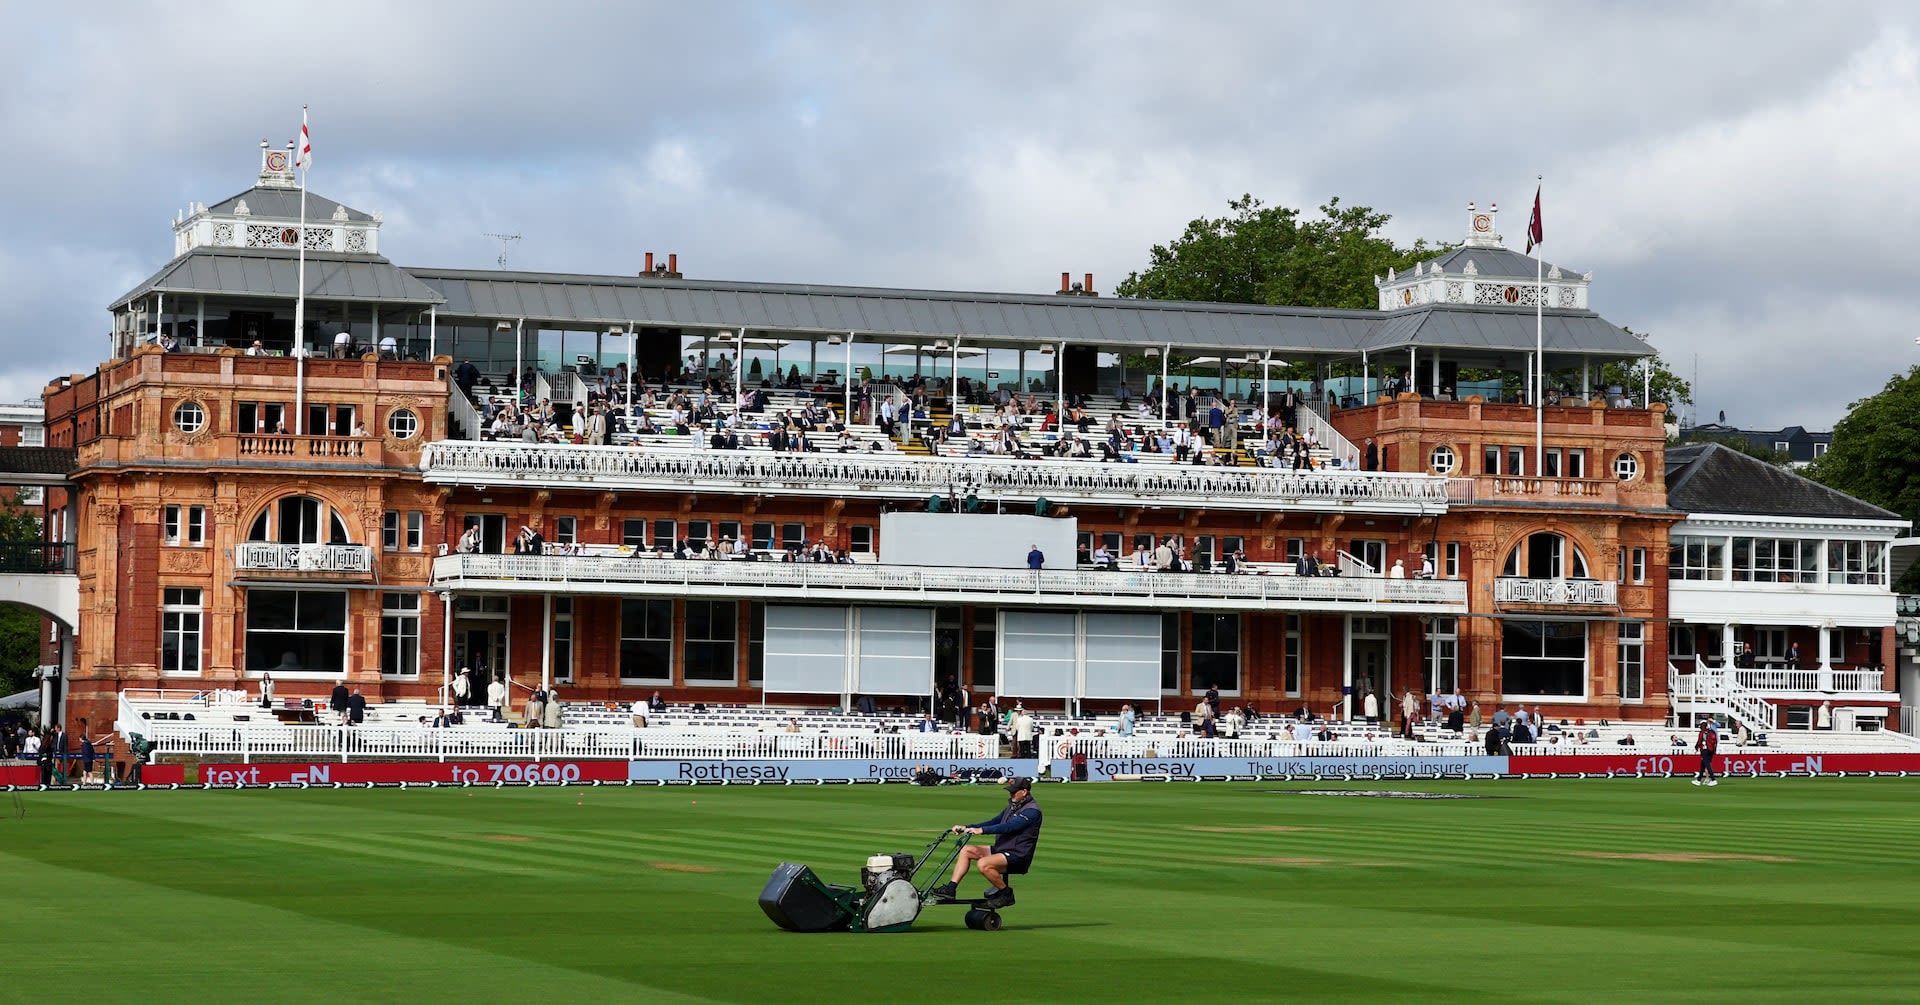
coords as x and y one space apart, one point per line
489 463
910 583
246 741
257 556
1851 681
1570 592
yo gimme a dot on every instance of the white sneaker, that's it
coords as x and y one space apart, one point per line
1713 781
1696 781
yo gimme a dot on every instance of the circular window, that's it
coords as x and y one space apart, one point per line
1626 467
189 417
403 423
1443 460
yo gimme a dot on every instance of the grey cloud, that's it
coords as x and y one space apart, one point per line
987 147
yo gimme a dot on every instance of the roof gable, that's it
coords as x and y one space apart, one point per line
1714 478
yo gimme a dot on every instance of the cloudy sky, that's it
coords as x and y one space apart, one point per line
1736 176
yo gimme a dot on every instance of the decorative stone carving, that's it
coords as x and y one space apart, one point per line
184 560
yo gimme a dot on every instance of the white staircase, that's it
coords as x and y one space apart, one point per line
1715 692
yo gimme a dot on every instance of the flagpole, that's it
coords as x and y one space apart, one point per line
300 321
300 291
1539 344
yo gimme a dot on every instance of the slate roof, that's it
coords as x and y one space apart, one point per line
38 460
258 272
1713 478
1013 318
284 204
1500 263
1501 329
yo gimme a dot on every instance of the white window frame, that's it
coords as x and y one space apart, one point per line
400 626
562 656
1633 661
403 424
1441 655
1290 669
175 613
188 417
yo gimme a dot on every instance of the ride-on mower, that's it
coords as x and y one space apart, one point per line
890 896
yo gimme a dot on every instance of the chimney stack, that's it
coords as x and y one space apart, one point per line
673 265
649 262
1069 288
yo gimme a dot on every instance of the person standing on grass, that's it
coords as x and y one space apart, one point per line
1707 742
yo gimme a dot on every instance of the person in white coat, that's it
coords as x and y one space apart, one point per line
497 698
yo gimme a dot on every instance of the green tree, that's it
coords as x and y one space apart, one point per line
1875 454
1264 254
19 626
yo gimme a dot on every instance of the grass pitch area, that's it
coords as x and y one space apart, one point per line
1793 890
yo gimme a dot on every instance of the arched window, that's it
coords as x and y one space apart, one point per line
299 520
1546 555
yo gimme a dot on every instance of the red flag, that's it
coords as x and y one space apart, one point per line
305 157
1534 234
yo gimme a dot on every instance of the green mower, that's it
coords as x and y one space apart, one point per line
889 898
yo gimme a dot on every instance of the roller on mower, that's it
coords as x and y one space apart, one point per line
893 889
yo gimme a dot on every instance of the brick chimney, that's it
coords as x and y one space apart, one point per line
1069 288
655 269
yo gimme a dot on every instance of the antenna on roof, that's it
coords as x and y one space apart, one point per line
506 240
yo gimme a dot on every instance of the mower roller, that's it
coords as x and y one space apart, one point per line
890 896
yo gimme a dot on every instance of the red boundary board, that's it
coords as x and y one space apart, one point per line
413 772
1745 761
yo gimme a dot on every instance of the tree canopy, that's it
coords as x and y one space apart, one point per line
1264 254
19 626
1875 454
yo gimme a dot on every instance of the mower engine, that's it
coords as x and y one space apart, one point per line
882 869
891 898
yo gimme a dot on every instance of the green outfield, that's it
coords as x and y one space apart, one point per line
1801 890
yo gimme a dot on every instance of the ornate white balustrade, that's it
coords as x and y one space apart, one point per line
463 462
929 584
259 556
1567 592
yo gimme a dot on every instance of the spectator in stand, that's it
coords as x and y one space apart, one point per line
357 707
337 700
1409 711
1035 558
1024 733
550 711
465 375
534 709
497 698
1457 711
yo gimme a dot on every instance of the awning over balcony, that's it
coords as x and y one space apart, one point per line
906 584
464 462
